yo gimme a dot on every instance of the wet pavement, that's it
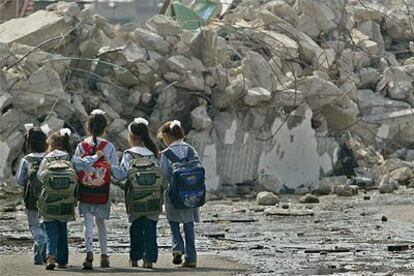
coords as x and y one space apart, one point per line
339 236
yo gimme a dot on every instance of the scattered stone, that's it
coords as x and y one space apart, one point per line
309 198
267 198
387 184
384 218
345 190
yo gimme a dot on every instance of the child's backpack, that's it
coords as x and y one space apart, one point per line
187 187
143 191
33 187
95 182
58 198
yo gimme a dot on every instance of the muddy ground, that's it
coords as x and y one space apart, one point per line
343 236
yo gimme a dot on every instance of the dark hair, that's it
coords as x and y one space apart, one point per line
59 142
176 132
35 140
141 132
96 125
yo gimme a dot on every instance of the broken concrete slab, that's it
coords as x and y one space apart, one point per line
35 29
163 25
200 119
256 95
256 69
151 41
40 92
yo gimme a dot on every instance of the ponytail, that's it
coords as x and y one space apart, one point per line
60 140
173 129
139 130
66 144
96 126
149 144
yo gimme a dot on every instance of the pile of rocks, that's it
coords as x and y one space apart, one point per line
264 94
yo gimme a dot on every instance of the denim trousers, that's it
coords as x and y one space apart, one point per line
37 229
57 241
143 240
177 241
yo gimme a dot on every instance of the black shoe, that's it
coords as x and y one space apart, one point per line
177 260
87 264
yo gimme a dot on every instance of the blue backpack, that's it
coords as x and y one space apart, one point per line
187 187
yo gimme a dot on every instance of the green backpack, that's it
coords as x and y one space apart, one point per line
59 194
144 191
33 187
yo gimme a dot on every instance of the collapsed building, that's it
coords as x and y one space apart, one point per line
270 93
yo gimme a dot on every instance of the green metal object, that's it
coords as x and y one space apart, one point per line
195 15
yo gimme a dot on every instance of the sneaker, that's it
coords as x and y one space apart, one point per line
189 264
177 257
104 261
62 266
87 264
133 263
50 263
147 264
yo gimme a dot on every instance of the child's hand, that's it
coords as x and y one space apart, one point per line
100 154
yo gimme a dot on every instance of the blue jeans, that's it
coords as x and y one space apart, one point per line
57 241
143 240
178 243
37 230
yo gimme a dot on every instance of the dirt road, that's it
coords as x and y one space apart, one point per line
208 265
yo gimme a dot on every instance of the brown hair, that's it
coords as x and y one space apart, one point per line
59 142
175 132
35 140
141 132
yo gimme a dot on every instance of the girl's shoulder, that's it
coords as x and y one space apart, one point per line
139 150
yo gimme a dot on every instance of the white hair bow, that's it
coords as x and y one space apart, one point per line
98 112
141 120
64 131
175 123
46 129
28 127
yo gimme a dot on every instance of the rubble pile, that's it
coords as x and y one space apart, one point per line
265 93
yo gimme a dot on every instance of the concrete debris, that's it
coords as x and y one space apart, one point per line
345 190
309 198
200 119
256 95
267 198
270 90
327 184
387 184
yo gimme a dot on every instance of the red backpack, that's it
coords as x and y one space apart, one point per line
96 181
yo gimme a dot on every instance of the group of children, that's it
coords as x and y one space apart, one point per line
56 179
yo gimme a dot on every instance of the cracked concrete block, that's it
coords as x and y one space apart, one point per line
256 95
151 41
200 119
35 29
163 25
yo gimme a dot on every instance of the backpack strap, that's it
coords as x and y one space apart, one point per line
190 154
171 156
102 145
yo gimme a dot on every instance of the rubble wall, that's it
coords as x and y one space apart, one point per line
266 93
